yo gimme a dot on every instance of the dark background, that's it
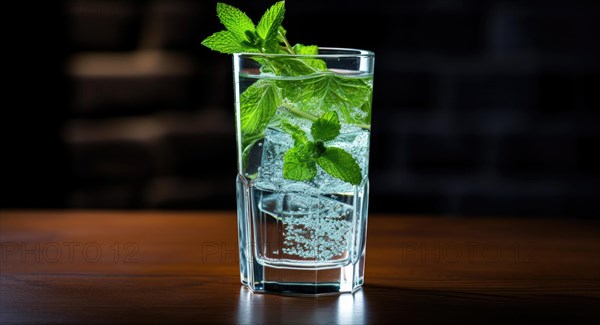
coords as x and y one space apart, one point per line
480 108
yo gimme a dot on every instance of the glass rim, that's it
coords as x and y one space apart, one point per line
357 53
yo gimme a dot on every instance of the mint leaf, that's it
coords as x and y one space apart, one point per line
235 20
340 164
298 164
225 42
296 132
310 50
270 21
306 49
327 127
326 90
283 66
258 104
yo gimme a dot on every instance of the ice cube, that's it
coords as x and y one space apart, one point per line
276 143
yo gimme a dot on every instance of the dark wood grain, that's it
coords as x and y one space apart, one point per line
183 268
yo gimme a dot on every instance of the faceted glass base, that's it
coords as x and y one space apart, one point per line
319 249
308 282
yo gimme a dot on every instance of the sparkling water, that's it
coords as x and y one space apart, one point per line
297 232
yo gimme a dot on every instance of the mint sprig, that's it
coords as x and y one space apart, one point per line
299 162
310 98
241 35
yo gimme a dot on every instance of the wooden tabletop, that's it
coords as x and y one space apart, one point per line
85 267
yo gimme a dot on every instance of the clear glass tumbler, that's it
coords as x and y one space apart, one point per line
303 127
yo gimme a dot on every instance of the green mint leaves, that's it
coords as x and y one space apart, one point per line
333 90
258 105
327 127
340 164
313 93
236 21
269 23
300 162
235 38
224 42
241 34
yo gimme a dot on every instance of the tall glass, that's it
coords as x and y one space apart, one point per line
302 218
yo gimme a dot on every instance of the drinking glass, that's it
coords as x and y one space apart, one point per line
302 235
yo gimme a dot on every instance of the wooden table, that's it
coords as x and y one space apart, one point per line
85 267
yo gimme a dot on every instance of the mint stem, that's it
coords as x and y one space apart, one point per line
312 117
300 113
289 47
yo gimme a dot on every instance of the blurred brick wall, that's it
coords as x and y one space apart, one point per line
481 107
